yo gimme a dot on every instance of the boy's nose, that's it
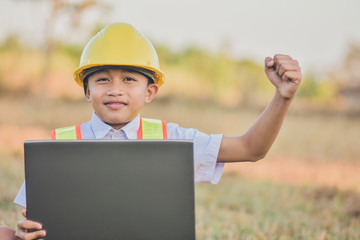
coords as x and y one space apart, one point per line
116 90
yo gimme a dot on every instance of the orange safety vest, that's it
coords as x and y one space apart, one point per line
149 129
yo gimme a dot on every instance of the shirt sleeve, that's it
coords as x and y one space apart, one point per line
206 150
21 197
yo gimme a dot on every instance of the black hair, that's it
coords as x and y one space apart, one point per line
85 84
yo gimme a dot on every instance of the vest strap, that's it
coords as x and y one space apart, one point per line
67 133
152 129
149 129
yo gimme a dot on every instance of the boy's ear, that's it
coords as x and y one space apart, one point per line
151 92
87 94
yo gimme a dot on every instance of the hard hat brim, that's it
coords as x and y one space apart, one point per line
159 77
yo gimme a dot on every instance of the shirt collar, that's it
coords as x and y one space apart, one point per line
131 129
100 128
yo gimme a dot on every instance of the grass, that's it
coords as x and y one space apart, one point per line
240 209
307 188
11 177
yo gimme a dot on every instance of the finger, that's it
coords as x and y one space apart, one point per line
281 56
280 59
293 76
269 62
24 212
282 70
285 78
19 234
288 67
291 63
285 65
28 224
30 235
277 66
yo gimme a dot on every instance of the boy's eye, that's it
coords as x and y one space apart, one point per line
129 79
102 80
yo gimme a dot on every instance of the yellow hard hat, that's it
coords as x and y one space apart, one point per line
119 44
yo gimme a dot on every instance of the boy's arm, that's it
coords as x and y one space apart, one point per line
285 74
7 233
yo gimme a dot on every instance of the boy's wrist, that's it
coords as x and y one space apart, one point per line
283 99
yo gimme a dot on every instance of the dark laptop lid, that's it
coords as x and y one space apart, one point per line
111 189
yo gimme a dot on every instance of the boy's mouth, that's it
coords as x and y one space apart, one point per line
115 105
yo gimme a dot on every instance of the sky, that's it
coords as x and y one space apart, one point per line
315 32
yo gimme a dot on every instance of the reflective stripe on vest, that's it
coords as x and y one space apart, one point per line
67 133
152 129
148 129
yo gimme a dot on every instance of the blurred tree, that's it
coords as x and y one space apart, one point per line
352 66
347 76
347 73
74 10
11 42
323 92
215 77
166 55
308 87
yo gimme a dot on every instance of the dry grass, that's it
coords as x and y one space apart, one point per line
237 208
306 188
343 175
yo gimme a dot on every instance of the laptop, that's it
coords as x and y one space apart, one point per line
111 189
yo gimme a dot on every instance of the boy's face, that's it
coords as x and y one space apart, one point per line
117 95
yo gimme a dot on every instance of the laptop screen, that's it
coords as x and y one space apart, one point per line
111 189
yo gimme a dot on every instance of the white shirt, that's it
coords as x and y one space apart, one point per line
206 147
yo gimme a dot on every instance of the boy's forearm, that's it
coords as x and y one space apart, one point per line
262 134
256 142
7 233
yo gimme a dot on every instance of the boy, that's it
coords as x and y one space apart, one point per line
119 71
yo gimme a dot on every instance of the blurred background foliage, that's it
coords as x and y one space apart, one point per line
194 74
